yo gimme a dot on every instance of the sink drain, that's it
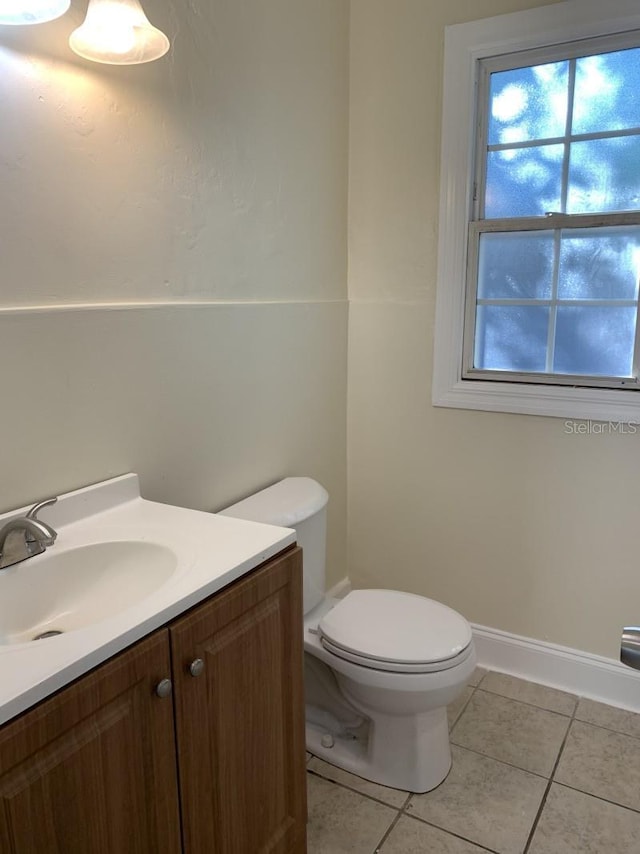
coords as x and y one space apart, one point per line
50 634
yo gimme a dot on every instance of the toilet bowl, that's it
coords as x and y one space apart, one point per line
381 666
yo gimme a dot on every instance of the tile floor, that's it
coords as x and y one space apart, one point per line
535 771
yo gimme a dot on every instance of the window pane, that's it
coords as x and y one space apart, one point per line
516 266
594 341
523 181
601 263
511 338
554 300
528 103
607 94
604 175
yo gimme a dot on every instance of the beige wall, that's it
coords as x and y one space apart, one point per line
214 182
509 519
210 189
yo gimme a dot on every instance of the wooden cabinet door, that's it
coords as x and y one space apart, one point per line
92 770
240 724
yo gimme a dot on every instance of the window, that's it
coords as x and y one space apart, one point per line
540 214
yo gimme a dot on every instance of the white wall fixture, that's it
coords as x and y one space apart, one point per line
16 12
118 32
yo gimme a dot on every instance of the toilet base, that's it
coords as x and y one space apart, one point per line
411 753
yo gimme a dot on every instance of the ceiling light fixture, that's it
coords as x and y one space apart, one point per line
118 32
19 12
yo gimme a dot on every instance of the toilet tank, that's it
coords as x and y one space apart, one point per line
300 503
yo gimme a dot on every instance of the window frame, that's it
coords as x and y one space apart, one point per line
542 31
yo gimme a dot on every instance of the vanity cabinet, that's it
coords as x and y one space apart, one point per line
114 764
92 769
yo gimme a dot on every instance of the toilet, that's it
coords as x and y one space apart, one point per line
381 666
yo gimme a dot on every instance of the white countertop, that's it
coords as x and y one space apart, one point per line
213 550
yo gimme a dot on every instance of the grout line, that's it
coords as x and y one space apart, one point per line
450 832
407 801
401 811
387 833
357 791
404 808
608 728
573 715
533 705
543 802
482 678
462 711
501 761
597 797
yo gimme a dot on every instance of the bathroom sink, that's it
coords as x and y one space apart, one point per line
120 567
63 590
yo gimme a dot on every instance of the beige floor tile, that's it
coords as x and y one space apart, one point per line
410 836
575 823
512 732
456 708
393 797
477 676
343 822
609 717
530 692
602 763
485 801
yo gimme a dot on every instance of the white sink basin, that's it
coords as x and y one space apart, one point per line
121 567
66 589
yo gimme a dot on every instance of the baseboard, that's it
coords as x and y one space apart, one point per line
581 673
339 590
592 676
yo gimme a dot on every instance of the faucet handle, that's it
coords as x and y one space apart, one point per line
33 513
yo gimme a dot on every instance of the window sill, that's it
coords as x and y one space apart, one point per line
555 401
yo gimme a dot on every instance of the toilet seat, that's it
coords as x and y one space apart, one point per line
396 666
395 631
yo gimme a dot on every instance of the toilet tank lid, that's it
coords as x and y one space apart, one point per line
286 503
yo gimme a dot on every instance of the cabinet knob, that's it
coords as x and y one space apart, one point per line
164 688
196 668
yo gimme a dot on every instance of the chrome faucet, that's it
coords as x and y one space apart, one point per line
25 536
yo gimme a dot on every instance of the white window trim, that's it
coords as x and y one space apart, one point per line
465 44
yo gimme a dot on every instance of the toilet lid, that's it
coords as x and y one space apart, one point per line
395 627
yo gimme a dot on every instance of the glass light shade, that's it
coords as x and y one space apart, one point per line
17 12
118 32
